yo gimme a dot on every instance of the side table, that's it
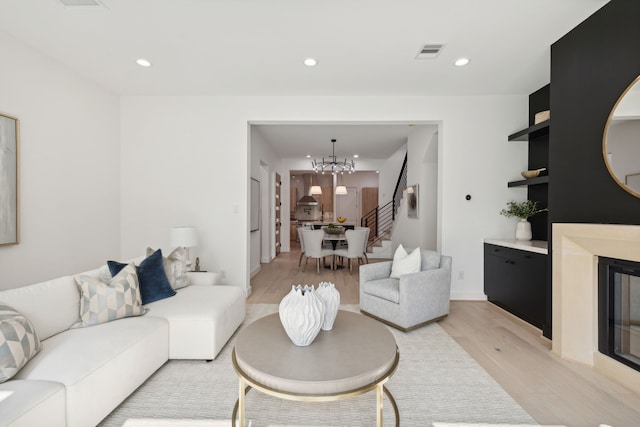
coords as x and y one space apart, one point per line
204 278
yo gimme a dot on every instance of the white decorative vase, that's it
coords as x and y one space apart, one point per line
331 297
302 314
523 230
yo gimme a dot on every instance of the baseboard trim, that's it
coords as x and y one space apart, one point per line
468 296
256 271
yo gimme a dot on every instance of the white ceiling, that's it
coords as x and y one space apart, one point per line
256 47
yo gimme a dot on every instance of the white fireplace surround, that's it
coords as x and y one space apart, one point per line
576 248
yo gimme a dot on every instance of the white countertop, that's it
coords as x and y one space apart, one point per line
538 246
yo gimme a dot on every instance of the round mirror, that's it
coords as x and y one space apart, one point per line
621 140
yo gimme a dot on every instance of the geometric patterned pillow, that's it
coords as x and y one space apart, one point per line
103 302
175 267
18 342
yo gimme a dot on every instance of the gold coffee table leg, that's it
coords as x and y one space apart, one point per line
239 405
241 401
394 405
379 396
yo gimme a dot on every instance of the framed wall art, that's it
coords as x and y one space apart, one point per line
412 201
9 180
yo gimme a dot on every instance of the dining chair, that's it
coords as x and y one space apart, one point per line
300 237
366 242
355 243
313 248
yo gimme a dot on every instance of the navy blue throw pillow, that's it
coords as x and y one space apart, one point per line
154 284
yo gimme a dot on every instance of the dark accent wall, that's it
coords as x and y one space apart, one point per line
590 67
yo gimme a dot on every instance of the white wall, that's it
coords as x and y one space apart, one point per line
264 165
359 179
389 173
199 173
422 169
429 198
68 168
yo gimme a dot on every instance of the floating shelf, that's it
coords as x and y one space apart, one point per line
531 132
532 181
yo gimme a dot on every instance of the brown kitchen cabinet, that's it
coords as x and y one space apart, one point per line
326 199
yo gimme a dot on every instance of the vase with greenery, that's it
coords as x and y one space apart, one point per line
522 210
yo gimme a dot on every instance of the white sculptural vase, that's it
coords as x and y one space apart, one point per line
523 230
302 314
331 297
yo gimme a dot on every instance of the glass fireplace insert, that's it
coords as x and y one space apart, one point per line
619 310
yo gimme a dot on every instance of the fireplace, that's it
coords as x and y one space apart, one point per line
575 254
619 310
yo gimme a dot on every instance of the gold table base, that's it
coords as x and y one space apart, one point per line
245 384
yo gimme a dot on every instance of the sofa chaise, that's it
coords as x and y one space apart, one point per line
81 374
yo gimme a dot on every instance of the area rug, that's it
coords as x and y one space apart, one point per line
490 425
436 381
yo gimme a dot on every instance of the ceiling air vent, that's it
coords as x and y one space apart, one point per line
429 51
81 3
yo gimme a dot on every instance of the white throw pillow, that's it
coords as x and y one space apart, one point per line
404 263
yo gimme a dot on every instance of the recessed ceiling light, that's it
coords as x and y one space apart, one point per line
461 62
308 156
143 62
310 62
355 156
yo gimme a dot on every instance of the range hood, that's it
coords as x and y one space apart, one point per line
307 199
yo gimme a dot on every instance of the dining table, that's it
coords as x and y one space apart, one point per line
334 238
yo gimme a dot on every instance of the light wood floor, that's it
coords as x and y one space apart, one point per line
275 280
551 390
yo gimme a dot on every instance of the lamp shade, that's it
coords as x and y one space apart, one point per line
341 190
315 189
184 237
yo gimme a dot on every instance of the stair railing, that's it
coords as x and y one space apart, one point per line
380 219
400 187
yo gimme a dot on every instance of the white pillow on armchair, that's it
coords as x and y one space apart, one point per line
405 263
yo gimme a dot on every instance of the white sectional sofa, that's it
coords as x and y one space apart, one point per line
80 375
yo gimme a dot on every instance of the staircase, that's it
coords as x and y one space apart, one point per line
381 219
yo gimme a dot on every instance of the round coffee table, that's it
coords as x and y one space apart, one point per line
357 356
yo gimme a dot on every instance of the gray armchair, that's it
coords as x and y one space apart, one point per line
411 301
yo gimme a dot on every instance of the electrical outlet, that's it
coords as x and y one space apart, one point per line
460 275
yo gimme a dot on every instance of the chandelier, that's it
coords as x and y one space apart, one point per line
332 165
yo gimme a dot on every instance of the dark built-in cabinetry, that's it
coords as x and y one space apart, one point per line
516 277
515 281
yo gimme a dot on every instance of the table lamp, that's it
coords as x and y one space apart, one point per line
183 237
